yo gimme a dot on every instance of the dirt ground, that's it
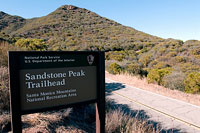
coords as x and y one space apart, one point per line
142 84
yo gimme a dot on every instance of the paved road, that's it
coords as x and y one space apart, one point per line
173 115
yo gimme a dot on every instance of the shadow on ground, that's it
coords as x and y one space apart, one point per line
139 114
80 119
110 87
84 117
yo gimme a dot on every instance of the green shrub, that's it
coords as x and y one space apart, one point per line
175 81
114 68
145 60
195 51
171 54
32 44
161 65
134 68
192 83
180 59
189 67
157 75
117 55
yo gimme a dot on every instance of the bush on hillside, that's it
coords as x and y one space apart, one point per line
145 60
160 65
189 67
134 68
181 59
114 68
117 55
32 44
157 75
175 81
192 83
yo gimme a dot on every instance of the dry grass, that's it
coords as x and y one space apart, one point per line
45 122
143 84
4 48
5 122
64 120
78 119
4 89
118 122
120 119
67 121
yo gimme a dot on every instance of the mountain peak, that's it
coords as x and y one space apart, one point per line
68 7
2 14
67 21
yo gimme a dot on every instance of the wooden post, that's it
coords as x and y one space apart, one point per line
97 120
101 93
15 105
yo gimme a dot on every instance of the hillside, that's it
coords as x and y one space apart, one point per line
70 26
167 62
172 63
10 23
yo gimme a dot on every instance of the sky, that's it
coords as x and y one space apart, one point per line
178 19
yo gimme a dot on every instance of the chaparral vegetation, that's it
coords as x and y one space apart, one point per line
168 62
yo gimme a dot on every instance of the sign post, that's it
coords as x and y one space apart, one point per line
43 81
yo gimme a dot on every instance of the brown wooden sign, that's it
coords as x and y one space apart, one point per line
42 81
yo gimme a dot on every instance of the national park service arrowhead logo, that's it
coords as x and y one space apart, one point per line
90 59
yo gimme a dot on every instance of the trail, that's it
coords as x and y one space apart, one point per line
173 115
